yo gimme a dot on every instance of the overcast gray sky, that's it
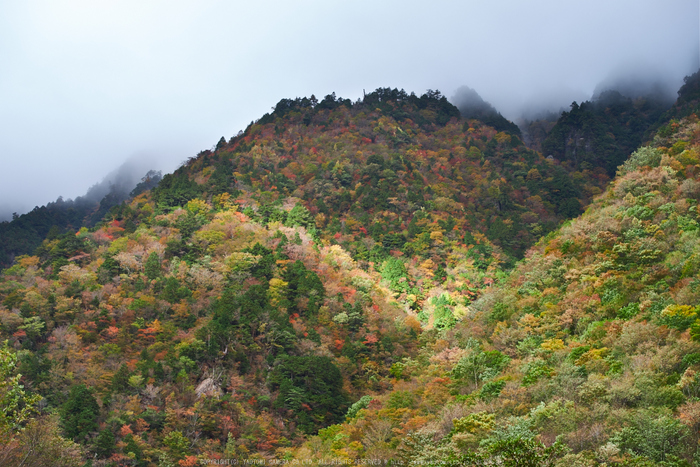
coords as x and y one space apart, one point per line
86 84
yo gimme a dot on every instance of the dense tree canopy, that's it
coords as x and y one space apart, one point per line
376 280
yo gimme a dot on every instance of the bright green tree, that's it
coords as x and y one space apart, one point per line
152 266
16 406
299 215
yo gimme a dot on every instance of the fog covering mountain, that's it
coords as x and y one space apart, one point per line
471 105
636 82
623 112
626 104
121 181
23 233
102 79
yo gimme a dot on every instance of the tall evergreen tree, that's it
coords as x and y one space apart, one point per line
79 413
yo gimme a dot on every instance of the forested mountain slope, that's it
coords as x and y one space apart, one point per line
591 341
330 284
372 169
219 312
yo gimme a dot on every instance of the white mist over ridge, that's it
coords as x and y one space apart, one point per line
123 179
85 83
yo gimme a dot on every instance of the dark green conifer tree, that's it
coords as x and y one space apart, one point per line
79 413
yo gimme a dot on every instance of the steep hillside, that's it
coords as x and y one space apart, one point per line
326 285
591 342
260 290
370 172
